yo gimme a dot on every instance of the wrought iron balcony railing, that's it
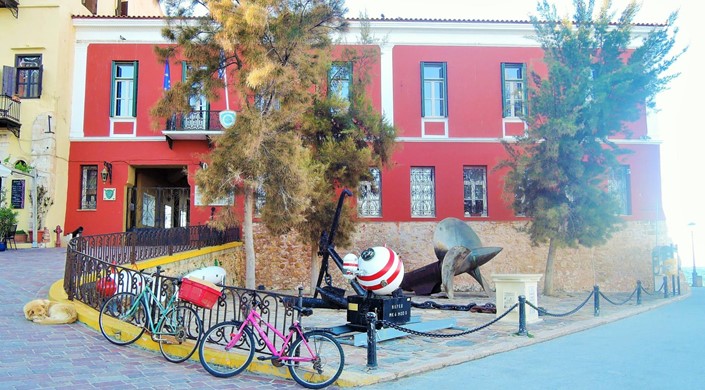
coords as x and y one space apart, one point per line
193 126
10 114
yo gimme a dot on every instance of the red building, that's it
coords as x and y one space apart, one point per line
453 89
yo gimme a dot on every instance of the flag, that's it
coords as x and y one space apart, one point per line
167 76
221 67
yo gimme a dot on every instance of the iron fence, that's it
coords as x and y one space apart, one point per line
93 261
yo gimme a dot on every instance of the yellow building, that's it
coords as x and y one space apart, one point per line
35 102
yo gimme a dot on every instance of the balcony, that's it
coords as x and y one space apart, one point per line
10 114
195 125
12 5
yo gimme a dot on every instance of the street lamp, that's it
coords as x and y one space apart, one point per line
692 243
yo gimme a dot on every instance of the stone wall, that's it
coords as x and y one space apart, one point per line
284 262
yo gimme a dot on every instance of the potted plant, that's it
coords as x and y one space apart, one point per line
8 220
20 236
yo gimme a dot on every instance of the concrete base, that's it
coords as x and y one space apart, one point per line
509 287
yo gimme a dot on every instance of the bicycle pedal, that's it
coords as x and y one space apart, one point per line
263 358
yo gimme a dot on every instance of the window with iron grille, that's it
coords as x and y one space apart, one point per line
423 192
29 76
475 191
89 187
369 195
513 90
260 200
124 90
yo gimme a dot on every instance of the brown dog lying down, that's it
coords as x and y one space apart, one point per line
46 312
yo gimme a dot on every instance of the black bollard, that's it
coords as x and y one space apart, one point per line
665 286
673 285
371 340
596 293
522 316
638 292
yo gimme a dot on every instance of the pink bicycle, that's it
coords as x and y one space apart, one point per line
315 359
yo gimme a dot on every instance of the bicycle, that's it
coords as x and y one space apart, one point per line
315 359
171 324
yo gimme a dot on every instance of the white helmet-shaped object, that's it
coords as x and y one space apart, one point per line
380 270
350 266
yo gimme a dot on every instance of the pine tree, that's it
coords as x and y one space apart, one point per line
290 142
594 85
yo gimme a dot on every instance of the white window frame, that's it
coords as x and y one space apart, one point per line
474 191
369 196
423 192
513 91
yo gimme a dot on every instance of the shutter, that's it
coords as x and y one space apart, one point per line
423 95
134 85
445 88
112 90
39 87
8 80
504 92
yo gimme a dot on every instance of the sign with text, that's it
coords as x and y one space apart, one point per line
17 194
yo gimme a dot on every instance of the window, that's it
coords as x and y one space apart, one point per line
260 199
423 192
124 90
620 187
340 80
29 76
89 186
121 7
475 191
513 90
434 89
369 196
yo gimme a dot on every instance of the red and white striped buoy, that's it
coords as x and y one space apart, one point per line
380 270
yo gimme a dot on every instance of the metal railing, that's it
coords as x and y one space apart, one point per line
10 112
91 260
206 121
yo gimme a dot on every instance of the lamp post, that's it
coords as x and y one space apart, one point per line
692 243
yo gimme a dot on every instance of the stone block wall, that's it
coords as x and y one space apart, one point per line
285 262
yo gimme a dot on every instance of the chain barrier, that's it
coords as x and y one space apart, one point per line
389 324
648 293
543 311
619 303
433 305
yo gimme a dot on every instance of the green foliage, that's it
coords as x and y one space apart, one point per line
289 138
595 84
8 217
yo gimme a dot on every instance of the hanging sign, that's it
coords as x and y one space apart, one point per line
227 118
17 194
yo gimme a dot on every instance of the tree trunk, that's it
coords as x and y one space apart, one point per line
548 288
315 267
249 243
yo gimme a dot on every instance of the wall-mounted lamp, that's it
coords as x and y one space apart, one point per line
203 165
107 172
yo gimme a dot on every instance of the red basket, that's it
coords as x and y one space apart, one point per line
198 293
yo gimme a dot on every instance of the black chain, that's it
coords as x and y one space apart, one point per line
648 293
618 303
543 311
434 305
660 288
389 324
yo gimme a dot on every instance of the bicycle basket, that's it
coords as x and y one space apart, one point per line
199 292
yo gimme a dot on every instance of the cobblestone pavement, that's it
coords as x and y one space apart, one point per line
66 356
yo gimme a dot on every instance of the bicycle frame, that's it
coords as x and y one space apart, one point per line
153 307
254 319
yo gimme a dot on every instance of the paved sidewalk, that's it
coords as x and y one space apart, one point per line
66 356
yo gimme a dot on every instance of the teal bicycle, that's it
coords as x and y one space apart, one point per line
125 316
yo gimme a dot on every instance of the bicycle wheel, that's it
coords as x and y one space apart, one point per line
222 362
324 367
123 307
179 333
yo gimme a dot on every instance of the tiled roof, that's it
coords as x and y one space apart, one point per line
399 19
